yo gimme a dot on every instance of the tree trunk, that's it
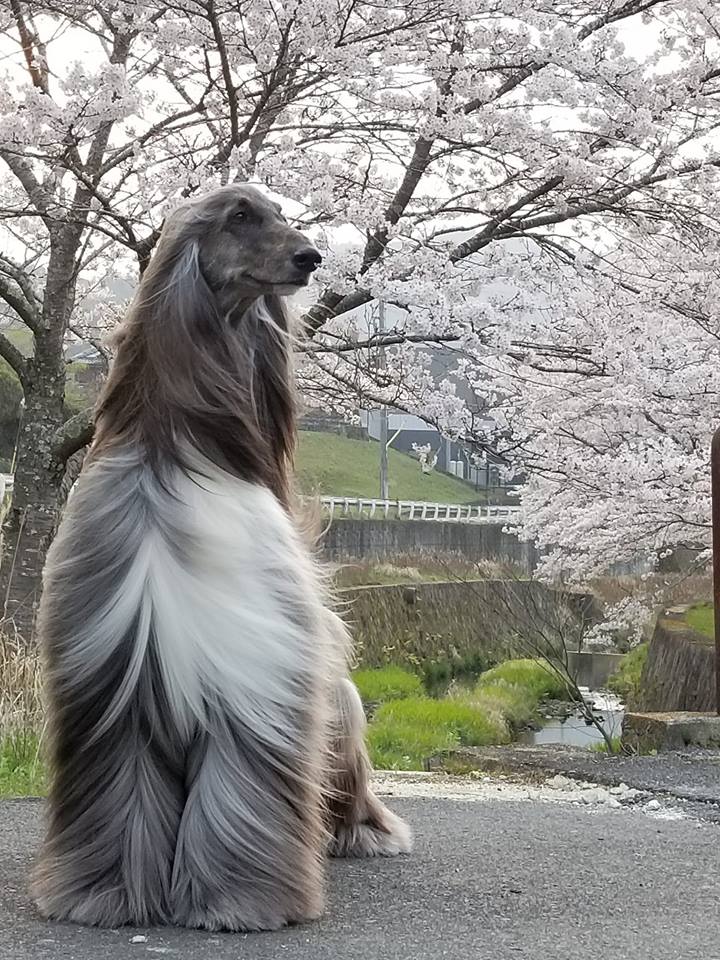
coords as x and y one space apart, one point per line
31 522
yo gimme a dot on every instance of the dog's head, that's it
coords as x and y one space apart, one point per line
204 357
242 244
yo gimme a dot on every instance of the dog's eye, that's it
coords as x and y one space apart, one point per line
240 216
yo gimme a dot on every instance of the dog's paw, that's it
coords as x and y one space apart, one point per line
249 915
385 835
107 909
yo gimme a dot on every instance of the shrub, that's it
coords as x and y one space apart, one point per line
625 682
438 674
516 705
404 733
536 677
386 683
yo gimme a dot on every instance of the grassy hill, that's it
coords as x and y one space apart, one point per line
332 465
701 617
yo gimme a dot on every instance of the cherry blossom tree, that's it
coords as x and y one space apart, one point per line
616 440
110 112
516 180
581 305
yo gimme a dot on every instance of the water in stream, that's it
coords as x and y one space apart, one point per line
575 729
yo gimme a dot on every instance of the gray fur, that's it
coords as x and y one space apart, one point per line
167 809
206 747
362 826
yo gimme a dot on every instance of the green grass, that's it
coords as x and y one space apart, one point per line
439 673
404 733
21 770
625 682
514 705
332 465
387 683
403 745
616 746
533 675
702 618
21 717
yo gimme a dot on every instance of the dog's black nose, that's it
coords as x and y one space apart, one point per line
307 259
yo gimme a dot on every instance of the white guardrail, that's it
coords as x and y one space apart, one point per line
417 510
397 509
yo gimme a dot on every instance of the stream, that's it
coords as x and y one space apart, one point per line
574 729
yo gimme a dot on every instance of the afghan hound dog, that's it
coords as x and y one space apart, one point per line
207 747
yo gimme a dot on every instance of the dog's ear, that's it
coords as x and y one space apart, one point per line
186 302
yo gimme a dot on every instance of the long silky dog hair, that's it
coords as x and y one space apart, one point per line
206 745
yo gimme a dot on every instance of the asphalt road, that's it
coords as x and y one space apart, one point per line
490 880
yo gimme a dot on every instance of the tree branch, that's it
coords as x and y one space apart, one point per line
374 342
230 90
32 48
631 8
23 171
10 353
22 279
75 433
19 304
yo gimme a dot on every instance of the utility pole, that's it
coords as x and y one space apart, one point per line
384 488
715 481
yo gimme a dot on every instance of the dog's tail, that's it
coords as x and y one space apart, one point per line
361 824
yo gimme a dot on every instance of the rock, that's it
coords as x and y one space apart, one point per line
594 795
626 794
558 709
559 782
644 732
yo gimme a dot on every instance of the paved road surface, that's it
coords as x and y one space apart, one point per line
490 880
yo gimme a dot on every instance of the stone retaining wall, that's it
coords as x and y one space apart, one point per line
679 673
435 621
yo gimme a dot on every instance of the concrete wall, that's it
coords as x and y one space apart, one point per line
592 669
358 539
380 539
437 621
679 673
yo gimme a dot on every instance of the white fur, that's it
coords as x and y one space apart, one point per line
221 608
223 617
